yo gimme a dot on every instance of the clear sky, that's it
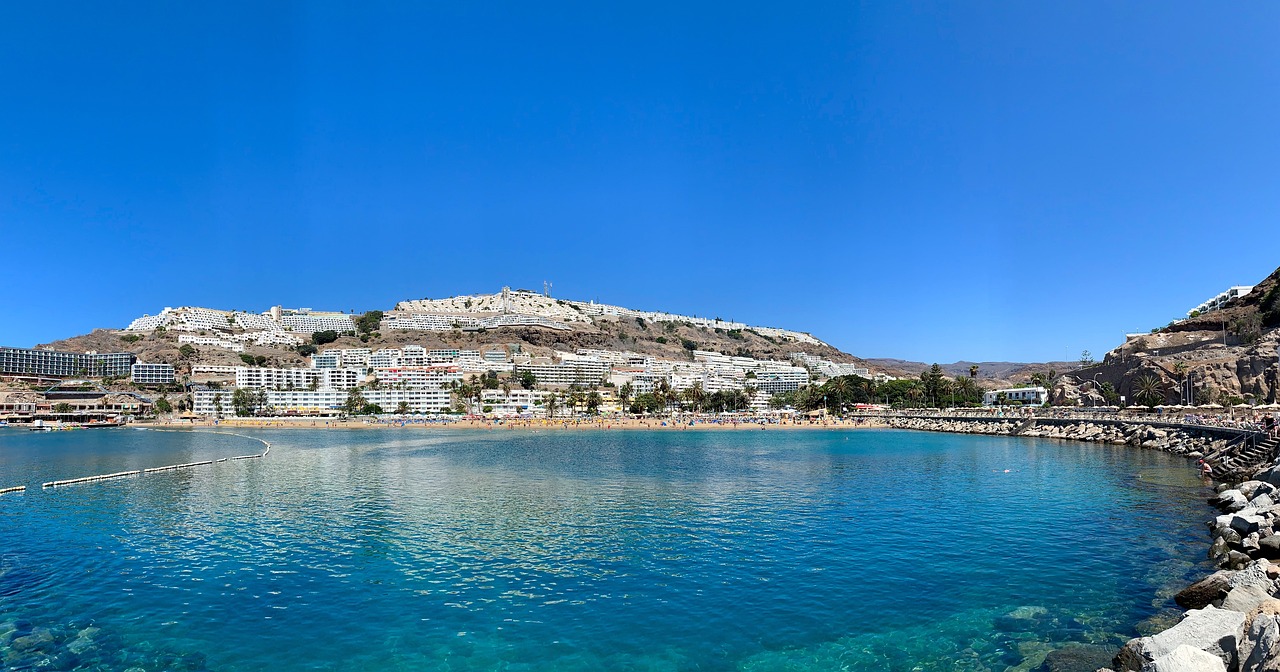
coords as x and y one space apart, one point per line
988 181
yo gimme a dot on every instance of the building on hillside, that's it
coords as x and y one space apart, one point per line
1024 396
1221 299
777 381
580 372
152 374
53 364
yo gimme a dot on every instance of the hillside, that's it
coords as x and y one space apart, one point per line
996 374
671 339
1225 356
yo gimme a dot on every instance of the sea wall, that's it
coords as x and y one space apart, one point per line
1193 442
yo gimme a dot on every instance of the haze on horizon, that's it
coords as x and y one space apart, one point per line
932 181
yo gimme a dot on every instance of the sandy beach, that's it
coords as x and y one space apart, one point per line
699 424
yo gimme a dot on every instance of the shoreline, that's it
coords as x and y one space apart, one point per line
601 424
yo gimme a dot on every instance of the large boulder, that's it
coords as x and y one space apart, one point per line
1246 598
1074 657
1244 523
1260 647
1186 659
1215 631
1231 500
1260 502
1269 547
1203 592
1255 574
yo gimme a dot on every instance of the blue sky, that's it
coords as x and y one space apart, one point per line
988 181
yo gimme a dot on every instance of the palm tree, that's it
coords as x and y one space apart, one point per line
625 392
1148 389
695 395
973 371
552 401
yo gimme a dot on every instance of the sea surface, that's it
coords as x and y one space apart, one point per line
431 549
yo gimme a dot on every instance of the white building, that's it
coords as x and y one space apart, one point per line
152 374
211 342
1025 396
418 377
581 372
250 377
303 321
1221 299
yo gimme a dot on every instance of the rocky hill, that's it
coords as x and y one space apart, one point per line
667 339
1225 356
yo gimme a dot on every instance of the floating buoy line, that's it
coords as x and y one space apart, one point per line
153 470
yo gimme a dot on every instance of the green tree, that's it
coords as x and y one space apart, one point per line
625 392
1086 359
1148 390
247 359
324 337
163 405
932 381
186 350
355 402
368 323
593 402
527 380
306 349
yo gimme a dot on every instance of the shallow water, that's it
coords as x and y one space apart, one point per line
517 550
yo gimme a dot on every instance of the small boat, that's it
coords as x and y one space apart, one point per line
39 426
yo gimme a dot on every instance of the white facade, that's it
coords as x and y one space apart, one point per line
1221 299
1026 396
268 378
152 374
309 323
418 377
211 342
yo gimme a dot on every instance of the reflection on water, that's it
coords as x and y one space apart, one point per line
629 550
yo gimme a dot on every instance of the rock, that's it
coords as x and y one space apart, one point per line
1250 543
1255 574
38 640
1186 659
1260 647
1244 523
1230 536
1236 560
1261 501
1074 657
1230 500
1269 547
1213 630
1246 598
1201 593
1218 548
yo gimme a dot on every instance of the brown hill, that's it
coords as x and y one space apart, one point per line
1225 356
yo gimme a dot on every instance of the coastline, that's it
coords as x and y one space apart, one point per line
595 424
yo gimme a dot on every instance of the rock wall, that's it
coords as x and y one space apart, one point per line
1192 443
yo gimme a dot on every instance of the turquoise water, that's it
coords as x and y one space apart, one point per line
514 550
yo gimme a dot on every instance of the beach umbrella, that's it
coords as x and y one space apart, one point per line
1211 406
1242 406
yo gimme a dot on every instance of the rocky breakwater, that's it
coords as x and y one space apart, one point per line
1233 618
1186 442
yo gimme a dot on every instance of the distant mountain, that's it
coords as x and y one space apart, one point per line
992 371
